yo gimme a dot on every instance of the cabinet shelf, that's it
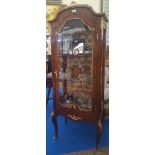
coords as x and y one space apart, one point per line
75 55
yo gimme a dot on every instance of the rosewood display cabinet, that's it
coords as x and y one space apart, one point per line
77 47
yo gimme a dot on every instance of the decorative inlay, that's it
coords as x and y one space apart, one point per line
75 107
75 117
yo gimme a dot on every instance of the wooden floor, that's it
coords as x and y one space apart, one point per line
101 151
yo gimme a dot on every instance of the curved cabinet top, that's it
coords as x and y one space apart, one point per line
84 12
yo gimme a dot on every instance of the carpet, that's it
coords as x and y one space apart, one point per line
101 151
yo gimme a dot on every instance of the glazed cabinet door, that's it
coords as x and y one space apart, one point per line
75 65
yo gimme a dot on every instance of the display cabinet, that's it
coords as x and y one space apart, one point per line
77 48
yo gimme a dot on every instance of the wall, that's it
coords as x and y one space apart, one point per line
94 3
106 11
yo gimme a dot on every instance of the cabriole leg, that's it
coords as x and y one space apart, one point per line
98 133
54 121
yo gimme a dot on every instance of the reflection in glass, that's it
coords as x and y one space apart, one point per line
75 64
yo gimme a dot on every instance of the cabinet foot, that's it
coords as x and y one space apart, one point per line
98 133
54 121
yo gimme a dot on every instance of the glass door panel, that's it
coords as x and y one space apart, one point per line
75 64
